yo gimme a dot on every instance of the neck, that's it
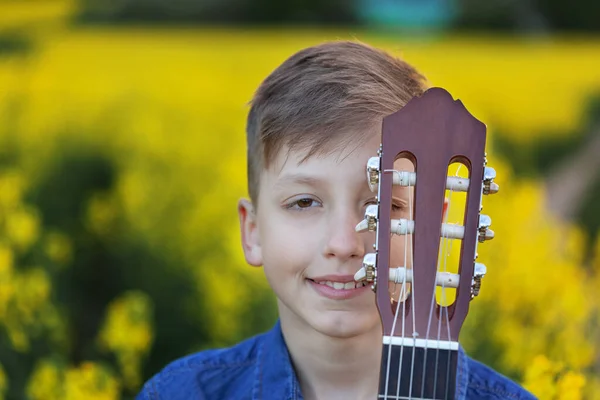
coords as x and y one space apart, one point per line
332 367
418 369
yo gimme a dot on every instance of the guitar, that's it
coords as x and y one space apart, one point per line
422 302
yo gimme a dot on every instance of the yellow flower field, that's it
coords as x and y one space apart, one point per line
169 107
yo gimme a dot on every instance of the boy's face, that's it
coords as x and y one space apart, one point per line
303 233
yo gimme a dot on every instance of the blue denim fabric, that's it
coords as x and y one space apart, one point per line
260 368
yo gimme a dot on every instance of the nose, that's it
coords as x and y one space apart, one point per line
343 242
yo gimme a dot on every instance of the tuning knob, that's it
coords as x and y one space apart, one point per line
371 214
367 272
478 273
373 173
484 232
489 186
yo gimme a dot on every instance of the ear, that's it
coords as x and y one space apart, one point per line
250 233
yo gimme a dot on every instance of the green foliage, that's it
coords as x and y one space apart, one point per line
12 42
538 159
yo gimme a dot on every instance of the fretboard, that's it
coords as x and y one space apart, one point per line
418 369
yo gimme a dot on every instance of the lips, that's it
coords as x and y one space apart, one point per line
342 285
338 288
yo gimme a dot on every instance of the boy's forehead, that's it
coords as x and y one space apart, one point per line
350 152
354 152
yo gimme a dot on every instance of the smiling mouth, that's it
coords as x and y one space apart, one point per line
340 285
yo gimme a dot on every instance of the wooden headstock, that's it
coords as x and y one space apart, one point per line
432 131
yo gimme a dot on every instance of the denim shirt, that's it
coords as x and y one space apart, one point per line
260 368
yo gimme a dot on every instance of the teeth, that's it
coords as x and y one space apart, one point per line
341 285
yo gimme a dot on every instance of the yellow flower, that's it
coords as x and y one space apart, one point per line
11 189
46 381
540 376
91 382
101 214
127 332
22 227
570 386
174 190
58 248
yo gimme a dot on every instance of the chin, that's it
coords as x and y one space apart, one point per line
343 325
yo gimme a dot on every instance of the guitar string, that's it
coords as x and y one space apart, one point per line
413 304
440 252
389 356
448 385
447 243
407 247
446 254
444 309
402 291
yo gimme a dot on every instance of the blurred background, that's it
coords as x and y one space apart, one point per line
122 156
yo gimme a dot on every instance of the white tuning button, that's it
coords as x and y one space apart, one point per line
360 275
371 216
407 178
478 273
402 226
457 184
453 231
405 226
367 271
484 232
404 178
443 279
484 221
370 221
373 173
489 187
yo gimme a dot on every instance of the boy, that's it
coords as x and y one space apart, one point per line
313 124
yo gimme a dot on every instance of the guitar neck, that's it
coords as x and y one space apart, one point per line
418 369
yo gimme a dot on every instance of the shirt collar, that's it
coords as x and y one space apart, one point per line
462 375
276 378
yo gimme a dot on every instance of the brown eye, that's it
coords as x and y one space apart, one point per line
305 203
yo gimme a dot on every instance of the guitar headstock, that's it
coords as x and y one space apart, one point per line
427 136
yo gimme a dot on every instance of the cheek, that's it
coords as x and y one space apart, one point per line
287 243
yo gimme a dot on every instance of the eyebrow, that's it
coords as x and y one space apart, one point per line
298 179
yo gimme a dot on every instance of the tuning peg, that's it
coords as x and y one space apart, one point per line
402 226
478 273
367 271
370 221
371 216
489 186
360 275
405 275
484 232
373 173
